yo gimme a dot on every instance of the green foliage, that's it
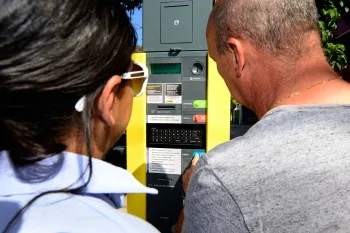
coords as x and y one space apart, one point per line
336 55
330 13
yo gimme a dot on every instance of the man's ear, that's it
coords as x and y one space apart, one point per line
236 47
106 100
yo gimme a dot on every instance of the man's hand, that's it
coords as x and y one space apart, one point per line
186 177
185 180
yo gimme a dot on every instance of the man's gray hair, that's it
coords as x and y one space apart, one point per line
274 25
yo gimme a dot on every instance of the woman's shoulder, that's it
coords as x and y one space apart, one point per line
109 219
78 213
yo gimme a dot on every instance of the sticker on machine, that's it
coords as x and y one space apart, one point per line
164 119
173 93
154 93
164 161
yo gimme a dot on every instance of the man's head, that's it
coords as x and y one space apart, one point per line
246 37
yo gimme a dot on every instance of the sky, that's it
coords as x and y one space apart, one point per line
137 22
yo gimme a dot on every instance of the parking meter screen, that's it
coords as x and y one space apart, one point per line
166 68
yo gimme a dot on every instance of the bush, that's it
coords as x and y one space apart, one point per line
330 14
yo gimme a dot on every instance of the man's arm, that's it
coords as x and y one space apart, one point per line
209 207
185 181
179 223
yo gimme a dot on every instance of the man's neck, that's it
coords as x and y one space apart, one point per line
306 82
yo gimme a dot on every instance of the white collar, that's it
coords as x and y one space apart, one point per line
65 170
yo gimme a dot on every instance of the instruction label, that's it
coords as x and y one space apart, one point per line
164 161
164 119
173 93
154 93
166 93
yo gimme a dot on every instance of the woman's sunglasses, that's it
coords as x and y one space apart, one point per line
139 77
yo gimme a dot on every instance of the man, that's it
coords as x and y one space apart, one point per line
291 171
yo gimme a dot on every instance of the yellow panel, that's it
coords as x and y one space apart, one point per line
218 112
136 148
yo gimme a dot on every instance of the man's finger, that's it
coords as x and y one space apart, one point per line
195 160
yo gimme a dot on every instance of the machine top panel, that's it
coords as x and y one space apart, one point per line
176 25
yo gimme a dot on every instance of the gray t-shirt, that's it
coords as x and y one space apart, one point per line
289 173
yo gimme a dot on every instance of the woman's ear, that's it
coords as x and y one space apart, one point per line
236 47
106 100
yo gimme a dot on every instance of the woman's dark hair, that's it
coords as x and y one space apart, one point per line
53 52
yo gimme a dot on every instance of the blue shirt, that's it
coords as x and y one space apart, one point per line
93 210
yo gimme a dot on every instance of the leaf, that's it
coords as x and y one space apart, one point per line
322 25
333 64
325 34
338 66
324 12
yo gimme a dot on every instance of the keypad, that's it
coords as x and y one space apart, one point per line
176 136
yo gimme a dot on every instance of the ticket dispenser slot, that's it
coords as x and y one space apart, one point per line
166 108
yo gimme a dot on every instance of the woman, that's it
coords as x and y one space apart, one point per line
65 98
